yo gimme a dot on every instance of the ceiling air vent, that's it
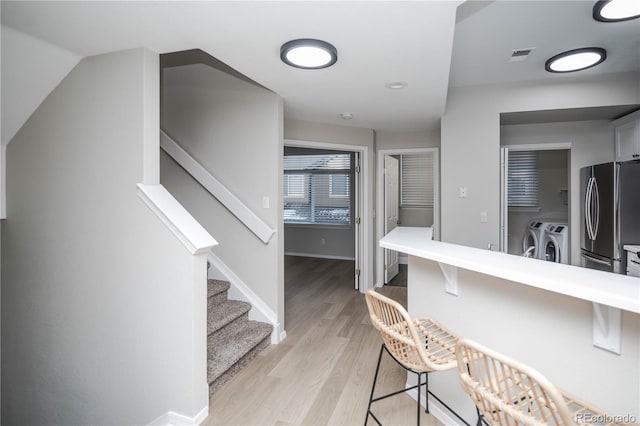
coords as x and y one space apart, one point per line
519 55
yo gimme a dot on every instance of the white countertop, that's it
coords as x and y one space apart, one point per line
618 291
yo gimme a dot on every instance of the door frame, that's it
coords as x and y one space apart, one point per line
391 258
504 168
365 234
380 199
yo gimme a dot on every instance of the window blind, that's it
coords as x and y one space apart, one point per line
317 189
416 180
523 179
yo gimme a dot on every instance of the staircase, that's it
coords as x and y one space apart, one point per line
232 339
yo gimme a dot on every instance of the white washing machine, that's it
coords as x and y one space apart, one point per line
556 243
534 237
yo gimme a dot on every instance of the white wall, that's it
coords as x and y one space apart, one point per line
98 297
470 155
547 331
234 129
403 140
31 68
591 143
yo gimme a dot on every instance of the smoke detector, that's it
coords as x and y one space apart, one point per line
520 55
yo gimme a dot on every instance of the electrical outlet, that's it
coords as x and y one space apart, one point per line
483 217
265 202
322 241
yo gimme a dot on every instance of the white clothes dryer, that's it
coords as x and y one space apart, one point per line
534 237
556 243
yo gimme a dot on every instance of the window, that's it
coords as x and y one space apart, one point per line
416 180
523 179
339 186
294 186
317 188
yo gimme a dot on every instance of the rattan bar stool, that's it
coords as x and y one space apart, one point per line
420 345
507 392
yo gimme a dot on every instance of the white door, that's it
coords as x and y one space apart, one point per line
357 218
391 193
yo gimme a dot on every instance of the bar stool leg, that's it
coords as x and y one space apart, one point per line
373 387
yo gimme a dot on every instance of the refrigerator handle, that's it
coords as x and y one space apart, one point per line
587 208
595 260
596 202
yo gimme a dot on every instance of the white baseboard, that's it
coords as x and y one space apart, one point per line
435 409
240 291
171 418
320 256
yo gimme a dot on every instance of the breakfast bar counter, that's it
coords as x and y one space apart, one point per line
578 327
615 290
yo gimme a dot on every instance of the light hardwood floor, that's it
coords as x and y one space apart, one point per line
321 374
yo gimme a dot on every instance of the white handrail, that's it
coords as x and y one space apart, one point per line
194 237
217 189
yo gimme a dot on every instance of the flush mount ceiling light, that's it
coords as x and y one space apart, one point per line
346 115
576 60
308 53
616 10
396 85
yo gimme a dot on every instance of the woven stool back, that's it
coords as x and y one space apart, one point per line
507 392
398 332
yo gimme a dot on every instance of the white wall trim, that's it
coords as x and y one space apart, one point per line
380 199
320 256
538 146
171 418
217 189
366 237
435 409
175 217
240 291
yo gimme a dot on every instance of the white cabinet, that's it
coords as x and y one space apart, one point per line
627 137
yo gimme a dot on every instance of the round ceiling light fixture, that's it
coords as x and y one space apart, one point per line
396 85
616 10
308 53
346 115
576 60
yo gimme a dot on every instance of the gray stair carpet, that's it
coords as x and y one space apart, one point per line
232 339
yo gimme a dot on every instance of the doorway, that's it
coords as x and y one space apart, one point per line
535 194
408 197
336 215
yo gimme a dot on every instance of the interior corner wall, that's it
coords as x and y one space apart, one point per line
25 80
470 147
234 130
96 291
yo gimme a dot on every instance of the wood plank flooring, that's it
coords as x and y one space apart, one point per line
321 374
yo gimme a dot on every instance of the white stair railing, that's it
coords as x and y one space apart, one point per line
217 189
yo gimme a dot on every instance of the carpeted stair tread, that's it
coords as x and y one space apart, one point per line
226 351
225 313
215 287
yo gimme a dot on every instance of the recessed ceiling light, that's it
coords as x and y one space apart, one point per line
308 53
576 60
616 10
396 85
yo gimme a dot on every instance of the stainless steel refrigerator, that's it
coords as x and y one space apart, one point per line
610 214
